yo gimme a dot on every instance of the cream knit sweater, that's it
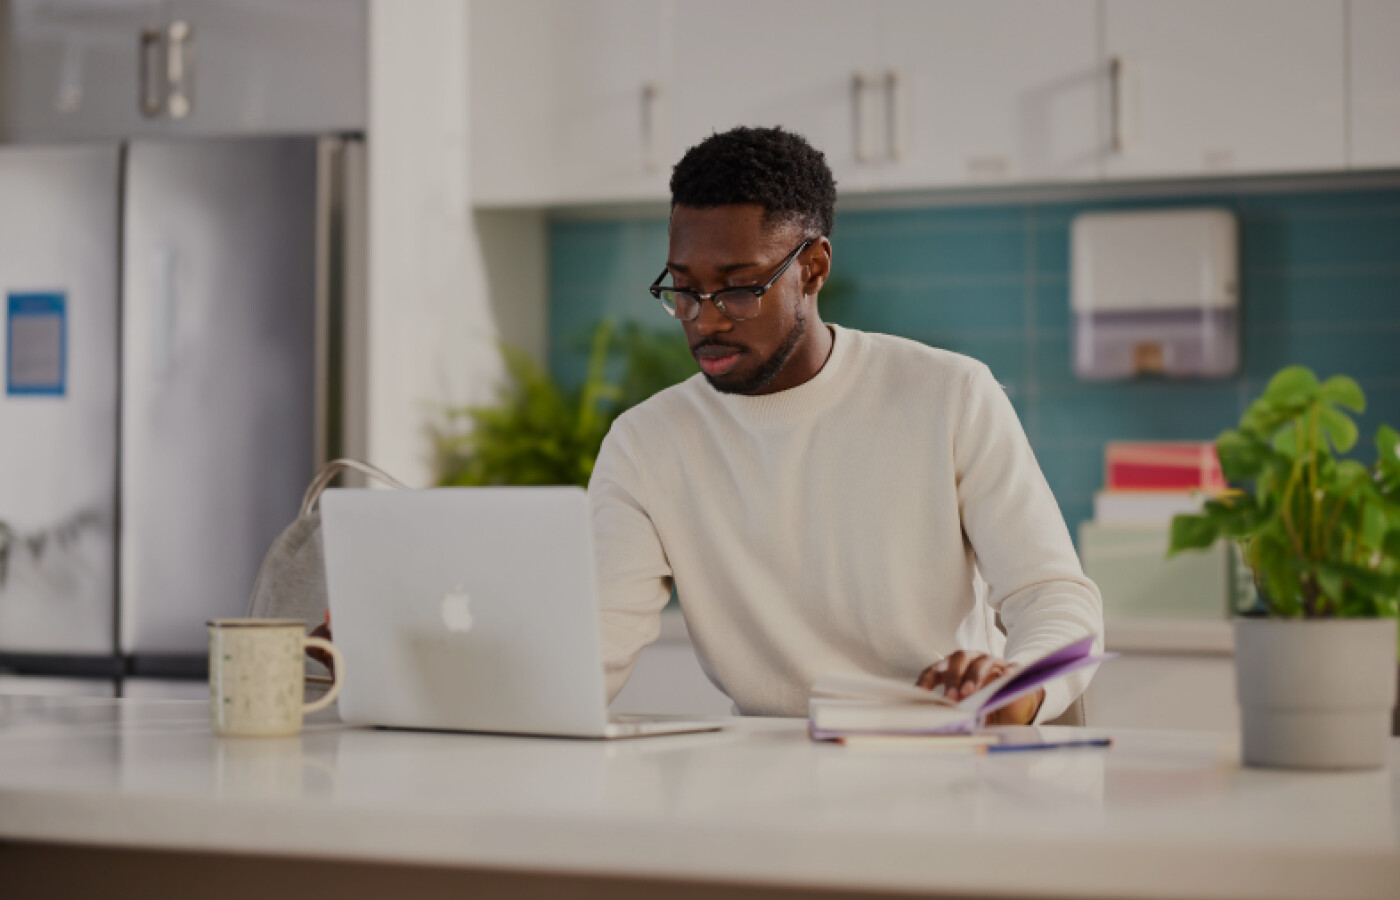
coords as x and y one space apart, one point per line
840 526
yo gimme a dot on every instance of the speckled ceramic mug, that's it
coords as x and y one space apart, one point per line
257 676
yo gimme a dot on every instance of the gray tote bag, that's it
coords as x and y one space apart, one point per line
291 582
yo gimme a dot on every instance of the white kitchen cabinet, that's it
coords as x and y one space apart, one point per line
1374 45
995 91
812 66
1197 87
571 101
285 67
595 100
114 69
512 93
77 69
611 60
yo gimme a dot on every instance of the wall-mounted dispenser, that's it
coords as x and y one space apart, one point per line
1155 293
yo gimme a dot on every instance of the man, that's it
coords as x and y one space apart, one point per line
823 499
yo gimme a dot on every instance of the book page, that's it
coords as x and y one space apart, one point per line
871 687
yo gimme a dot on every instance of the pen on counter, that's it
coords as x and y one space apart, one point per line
1056 745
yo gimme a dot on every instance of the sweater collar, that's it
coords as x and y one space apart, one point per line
808 399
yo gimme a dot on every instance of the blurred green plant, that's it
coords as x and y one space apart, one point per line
1321 534
650 361
838 301
542 433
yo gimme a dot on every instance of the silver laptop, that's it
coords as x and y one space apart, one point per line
471 609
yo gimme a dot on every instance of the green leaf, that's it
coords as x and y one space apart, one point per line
1388 455
1360 578
1234 514
1332 581
1273 562
1388 443
1242 455
1373 525
1286 442
1192 533
1391 545
1343 391
1291 386
1338 427
1352 473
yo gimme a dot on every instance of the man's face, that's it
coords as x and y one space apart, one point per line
732 246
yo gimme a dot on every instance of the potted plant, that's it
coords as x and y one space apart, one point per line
539 432
1316 658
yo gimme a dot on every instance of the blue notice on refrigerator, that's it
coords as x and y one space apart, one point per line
36 344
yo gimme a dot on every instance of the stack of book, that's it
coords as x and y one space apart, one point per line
1151 483
1124 547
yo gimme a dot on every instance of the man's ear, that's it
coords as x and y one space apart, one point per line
818 267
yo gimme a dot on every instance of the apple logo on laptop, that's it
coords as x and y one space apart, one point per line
457 610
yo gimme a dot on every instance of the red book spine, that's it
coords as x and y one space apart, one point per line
1163 467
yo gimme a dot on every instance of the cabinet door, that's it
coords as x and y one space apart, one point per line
76 70
280 67
1209 87
1375 83
512 102
611 88
793 63
1000 90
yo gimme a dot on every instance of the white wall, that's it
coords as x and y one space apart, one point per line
432 322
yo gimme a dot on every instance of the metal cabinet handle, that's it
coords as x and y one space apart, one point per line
894 121
651 141
860 84
177 69
1117 99
149 95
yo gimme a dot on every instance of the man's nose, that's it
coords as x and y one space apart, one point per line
711 320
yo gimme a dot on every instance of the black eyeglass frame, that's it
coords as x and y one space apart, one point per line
758 290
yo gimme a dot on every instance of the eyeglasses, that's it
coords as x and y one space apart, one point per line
737 303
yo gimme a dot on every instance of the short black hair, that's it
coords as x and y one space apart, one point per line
773 168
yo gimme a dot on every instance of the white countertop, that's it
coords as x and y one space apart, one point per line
1161 814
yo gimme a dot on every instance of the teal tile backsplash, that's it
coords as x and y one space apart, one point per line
1320 281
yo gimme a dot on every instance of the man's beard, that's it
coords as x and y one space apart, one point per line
765 373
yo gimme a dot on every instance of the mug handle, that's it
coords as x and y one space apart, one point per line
334 692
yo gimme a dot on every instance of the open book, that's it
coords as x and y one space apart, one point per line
863 704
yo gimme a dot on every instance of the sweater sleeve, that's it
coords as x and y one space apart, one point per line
1023 548
634 576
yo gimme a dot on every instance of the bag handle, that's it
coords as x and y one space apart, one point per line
330 470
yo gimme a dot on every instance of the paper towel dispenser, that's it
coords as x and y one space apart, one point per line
1155 293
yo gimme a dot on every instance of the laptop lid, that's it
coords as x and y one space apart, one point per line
469 609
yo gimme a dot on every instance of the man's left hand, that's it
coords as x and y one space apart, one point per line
963 674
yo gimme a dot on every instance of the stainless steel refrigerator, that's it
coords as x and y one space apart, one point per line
169 360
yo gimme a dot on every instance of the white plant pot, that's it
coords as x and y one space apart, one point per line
1316 694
